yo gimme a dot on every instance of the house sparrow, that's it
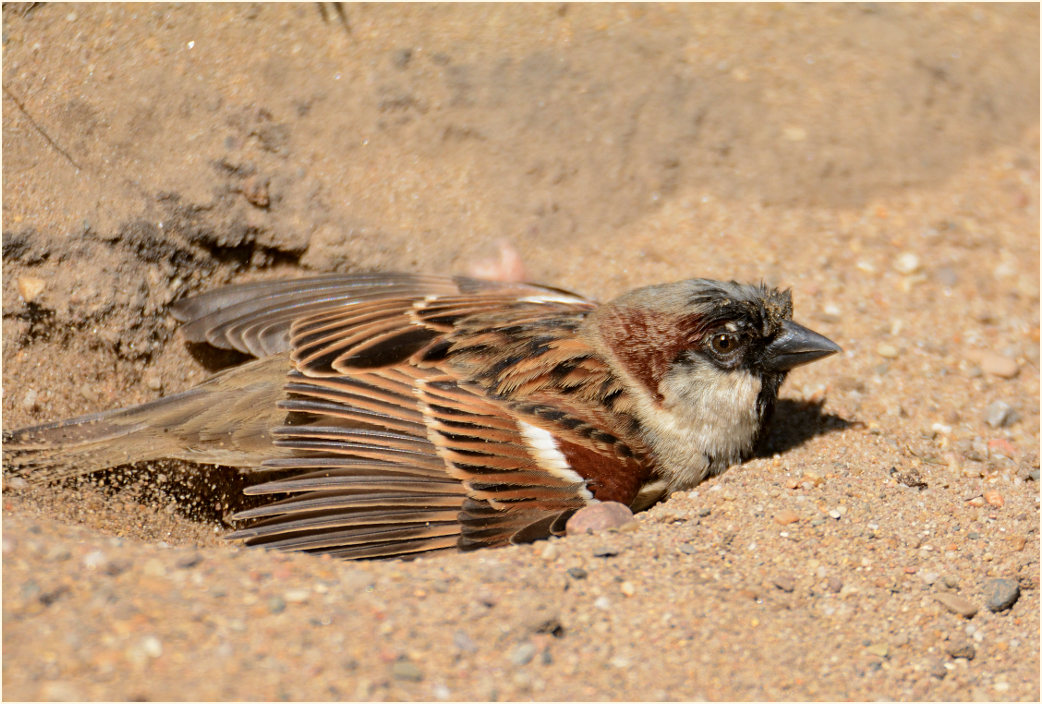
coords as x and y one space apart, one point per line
394 414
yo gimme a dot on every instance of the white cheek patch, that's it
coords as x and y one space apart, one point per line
548 455
706 414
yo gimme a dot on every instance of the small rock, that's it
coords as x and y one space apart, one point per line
628 588
15 483
523 654
929 577
29 400
784 582
550 552
993 498
543 620
1001 594
957 604
880 650
188 561
276 605
154 382
812 477
907 263
703 512
998 365
152 646
576 572
255 190
961 649
786 516
602 602
30 287
404 670
605 551
598 517
835 584
297 596
938 670
94 559
999 414
887 351
834 513
951 581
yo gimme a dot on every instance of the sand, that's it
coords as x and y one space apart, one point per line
882 161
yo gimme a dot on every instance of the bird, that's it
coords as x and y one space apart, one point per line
392 415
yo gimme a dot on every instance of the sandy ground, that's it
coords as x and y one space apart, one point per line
880 160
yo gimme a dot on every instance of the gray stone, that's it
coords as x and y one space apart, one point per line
1001 594
999 414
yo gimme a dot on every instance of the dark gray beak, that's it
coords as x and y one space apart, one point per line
796 345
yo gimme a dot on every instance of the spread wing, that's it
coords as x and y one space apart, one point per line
426 413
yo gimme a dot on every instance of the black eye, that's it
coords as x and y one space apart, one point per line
723 343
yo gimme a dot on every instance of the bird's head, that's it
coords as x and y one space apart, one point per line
706 355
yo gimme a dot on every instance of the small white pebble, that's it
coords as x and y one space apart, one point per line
152 646
93 559
907 263
602 602
296 596
887 351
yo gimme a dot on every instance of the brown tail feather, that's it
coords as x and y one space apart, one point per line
226 420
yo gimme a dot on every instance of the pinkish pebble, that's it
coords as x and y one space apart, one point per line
598 517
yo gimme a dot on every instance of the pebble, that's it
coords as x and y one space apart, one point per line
29 400
929 577
404 670
907 263
961 649
576 573
602 602
998 365
784 582
94 559
887 351
938 670
629 589
543 620
605 551
1001 594
834 513
15 483
523 654
598 517
879 649
957 604
786 516
550 552
999 414
835 585
993 498
297 596
30 287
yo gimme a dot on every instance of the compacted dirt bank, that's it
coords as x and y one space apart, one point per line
882 161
